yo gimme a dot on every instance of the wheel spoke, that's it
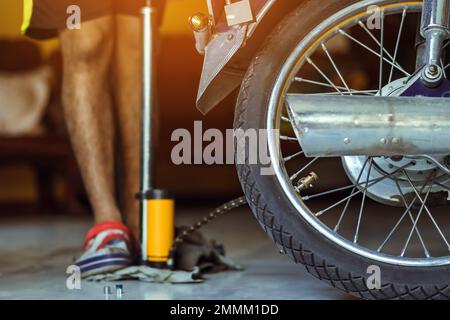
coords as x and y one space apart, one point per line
428 211
288 158
322 84
372 51
286 138
405 247
307 198
355 186
443 68
325 193
391 233
336 68
360 191
323 75
380 86
326 85
446 45
425 250
286 119
303 169
397 44
363 201
350 93
442 186
380 44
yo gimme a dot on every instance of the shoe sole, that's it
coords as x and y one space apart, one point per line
107 263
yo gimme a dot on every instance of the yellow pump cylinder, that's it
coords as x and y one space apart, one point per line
160 228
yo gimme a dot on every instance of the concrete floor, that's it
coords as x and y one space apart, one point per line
36 251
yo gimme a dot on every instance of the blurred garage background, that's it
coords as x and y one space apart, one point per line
37 168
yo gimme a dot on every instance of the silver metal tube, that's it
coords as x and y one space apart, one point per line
434 28
146 162
147 98
372 126
435 41
435 14
201 40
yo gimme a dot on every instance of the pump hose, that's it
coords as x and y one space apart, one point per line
220 211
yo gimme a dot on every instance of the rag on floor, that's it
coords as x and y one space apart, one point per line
194 257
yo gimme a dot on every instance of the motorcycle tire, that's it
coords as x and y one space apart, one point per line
293 235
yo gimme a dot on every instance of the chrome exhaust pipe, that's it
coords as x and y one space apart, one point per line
372 126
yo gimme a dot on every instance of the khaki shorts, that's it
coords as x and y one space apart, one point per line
43 18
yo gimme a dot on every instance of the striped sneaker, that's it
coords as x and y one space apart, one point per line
106 249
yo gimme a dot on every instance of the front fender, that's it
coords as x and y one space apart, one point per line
219 79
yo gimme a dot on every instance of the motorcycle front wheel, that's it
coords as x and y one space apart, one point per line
351 232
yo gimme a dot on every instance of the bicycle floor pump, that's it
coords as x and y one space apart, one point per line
157 207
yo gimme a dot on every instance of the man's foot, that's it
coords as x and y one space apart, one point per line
106 249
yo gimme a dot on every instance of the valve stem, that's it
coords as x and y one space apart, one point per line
307 182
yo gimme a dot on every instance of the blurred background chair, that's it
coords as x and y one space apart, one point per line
32 132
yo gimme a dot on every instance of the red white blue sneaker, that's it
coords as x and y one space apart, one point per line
106 249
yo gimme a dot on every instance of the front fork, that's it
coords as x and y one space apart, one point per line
435 29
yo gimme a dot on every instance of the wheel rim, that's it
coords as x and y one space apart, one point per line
302 55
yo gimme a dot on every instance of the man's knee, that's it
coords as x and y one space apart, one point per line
92 44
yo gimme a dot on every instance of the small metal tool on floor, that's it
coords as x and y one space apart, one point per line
107 292
119 291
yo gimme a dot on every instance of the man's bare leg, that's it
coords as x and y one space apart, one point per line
87 55
128 98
